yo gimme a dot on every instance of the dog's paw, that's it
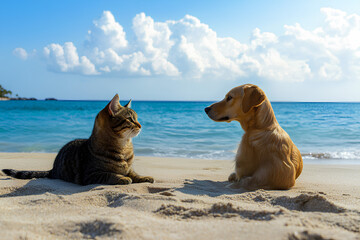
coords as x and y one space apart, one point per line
232 177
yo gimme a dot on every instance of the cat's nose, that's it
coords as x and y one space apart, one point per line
207 109
138 124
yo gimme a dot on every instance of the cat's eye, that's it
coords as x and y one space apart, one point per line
228 98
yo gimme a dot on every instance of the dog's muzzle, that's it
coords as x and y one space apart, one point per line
224 119
211 115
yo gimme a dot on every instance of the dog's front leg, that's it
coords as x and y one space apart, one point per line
233 177
236 176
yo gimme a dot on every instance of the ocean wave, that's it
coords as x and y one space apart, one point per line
332 155
230 155
189 153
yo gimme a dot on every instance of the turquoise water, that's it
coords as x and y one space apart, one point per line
322 131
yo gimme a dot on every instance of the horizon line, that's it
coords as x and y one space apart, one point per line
142 100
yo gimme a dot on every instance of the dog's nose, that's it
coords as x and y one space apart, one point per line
207 109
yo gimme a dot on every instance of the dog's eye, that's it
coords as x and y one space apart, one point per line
228 98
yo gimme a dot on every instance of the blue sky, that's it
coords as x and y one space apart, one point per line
180 50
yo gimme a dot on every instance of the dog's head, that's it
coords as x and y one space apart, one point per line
238 103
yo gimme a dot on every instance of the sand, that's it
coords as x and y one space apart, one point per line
189 200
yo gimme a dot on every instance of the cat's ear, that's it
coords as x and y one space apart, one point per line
114 105
128 105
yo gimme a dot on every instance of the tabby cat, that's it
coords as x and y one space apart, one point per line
105 158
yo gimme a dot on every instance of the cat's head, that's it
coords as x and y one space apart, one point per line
117 120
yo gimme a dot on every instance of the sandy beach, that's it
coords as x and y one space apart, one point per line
190 199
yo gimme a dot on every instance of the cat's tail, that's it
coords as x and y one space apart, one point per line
26 174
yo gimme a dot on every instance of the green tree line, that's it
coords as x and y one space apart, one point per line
4 92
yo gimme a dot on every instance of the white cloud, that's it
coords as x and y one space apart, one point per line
154 41
66 59
106 33
20 53
277 67
330 71
188 48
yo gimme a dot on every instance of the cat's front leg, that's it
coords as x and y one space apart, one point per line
139 179
108 178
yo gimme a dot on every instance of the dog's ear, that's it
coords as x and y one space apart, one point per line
253 97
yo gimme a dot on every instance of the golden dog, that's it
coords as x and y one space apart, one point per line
266 158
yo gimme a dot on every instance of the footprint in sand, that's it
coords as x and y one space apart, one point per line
307 203
97 228
161 190
217 210
306 235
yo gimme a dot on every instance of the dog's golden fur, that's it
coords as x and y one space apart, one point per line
267 158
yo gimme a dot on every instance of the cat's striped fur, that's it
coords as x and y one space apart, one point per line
105 158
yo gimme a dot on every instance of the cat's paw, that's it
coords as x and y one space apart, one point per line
125 180
146 179
232 177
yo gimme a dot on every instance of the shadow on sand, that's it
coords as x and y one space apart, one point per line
57 186
45 185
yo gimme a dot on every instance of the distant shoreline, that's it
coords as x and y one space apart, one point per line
26 99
